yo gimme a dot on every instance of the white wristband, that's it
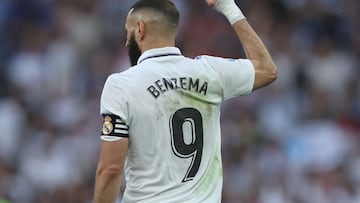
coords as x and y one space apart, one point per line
230 10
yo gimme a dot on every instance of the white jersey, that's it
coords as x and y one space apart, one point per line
168 106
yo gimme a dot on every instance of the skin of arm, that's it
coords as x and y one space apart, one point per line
110 170
265 68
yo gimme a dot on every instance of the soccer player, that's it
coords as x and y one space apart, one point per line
162 115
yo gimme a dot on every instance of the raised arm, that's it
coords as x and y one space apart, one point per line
265 68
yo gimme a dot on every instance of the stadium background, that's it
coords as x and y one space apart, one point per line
296 141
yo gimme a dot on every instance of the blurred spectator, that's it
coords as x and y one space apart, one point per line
294 141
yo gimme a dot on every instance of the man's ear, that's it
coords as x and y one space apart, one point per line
140 30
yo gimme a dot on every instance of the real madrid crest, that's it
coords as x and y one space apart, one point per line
107 126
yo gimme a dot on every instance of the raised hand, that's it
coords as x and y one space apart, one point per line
227 7
211 3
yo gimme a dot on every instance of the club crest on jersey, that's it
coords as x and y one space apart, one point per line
107 126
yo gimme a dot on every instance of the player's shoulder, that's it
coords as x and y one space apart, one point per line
121 77
209 58
210 62
113 79
218 63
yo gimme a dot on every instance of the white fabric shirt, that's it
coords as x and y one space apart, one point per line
168 106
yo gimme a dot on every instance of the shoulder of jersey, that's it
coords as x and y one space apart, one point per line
123 74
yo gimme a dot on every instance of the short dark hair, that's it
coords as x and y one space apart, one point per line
165 7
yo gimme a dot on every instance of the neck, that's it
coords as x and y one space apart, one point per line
156 42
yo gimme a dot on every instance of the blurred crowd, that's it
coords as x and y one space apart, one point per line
295 141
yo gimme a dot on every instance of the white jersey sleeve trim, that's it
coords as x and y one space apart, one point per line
110 138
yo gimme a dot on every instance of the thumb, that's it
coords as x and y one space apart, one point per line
211 3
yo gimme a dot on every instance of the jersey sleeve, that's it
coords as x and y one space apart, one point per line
237 76
114 110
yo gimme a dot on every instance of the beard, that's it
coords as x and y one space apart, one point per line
134 50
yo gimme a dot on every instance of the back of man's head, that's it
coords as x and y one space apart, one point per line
161 12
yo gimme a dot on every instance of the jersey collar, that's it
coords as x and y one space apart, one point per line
159 52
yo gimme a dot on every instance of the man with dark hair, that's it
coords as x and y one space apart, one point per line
161 20
162 115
